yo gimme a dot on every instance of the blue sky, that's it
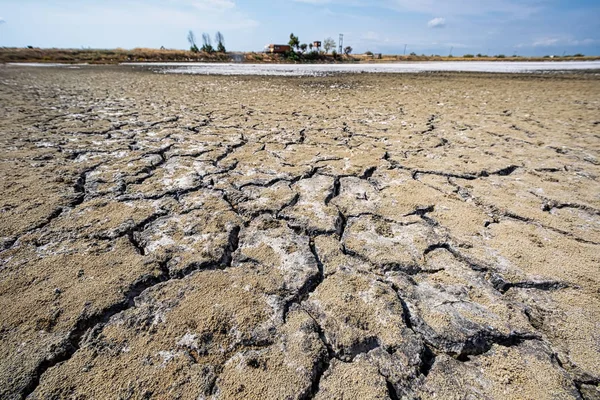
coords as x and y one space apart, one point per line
527 27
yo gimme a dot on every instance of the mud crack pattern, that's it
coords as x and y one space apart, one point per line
364 236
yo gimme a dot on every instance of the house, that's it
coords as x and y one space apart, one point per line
278 48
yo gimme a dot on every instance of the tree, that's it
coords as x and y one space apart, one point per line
294 42
328 44
310 46
303 47
192 39
220 39
347 50
207 43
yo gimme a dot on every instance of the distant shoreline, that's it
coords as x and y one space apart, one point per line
118 56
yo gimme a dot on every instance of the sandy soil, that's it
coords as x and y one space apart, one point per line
360 236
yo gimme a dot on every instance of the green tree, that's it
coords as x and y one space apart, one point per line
328 44
192 40
310 46
220 39
294 41
347 50
303 47
207 43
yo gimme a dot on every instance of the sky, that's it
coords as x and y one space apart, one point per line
522 27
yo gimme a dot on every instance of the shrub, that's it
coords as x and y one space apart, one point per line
500 56
468 56
369 53
292 55
313 55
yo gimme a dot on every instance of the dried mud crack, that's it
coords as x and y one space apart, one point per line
353 236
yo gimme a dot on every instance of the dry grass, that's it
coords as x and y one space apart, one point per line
116 56
105 56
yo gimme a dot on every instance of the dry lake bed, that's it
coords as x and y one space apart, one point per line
357 236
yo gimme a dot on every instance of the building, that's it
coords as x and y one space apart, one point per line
278 48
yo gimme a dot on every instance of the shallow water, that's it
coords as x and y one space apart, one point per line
408 67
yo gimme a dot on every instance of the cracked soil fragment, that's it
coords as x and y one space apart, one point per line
352 236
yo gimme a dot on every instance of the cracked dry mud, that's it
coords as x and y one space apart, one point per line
361 236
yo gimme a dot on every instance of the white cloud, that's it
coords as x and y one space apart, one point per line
584 42
545 42
209 15
437 23
513 8
517 9
314 1
211 4
552 41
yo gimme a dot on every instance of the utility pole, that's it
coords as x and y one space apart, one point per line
405 49
341 43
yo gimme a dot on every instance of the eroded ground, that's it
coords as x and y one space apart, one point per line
364 236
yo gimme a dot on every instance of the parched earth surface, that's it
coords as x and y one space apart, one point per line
348 237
